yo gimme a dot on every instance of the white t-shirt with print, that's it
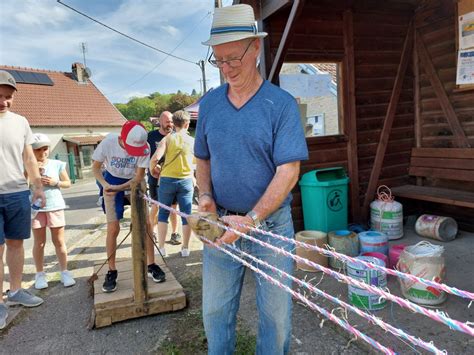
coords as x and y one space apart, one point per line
116 159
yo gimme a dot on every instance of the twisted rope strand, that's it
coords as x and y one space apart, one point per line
345 258
371 318
310 304
437 316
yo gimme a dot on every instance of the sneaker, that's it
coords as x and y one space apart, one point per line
185 252
67 279
23 297
110 283
155 272
3 315
41 282
163 252
175 239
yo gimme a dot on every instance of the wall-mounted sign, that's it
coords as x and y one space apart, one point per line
466 30
465 72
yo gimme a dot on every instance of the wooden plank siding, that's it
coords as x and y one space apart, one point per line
378 33
436 27
439 38
378 36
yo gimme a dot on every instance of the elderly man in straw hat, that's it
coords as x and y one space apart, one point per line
249 144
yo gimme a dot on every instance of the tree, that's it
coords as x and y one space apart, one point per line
179 101
194 93
140 108
161 103
123 108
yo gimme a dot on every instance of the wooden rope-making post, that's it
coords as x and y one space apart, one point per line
139 220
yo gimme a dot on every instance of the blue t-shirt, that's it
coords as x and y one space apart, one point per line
246 145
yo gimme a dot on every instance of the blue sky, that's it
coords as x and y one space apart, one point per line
46 35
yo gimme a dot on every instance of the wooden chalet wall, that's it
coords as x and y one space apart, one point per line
436 30
368 38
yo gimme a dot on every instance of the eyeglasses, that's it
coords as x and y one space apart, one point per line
233 63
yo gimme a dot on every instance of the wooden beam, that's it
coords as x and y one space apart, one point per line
436 194
389 118
350 114
445 163
417 103
460 138
288 33
448 174
139 218
269 7
454 153
416 97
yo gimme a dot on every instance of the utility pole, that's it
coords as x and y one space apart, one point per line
218 3
202 64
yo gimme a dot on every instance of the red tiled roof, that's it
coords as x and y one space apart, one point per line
84 140
330 68
66 103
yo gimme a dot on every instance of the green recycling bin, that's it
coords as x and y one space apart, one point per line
324 198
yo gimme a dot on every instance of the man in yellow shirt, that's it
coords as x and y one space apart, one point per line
176 178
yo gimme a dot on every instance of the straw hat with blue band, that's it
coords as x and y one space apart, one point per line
233 23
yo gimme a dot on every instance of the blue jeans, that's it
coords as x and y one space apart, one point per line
222 285
171 189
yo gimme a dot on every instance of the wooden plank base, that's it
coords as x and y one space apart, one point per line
118 306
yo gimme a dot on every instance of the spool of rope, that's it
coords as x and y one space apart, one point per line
386 214
436 227
423 259
317 238
344 242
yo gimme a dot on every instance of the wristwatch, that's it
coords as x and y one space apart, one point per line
256 221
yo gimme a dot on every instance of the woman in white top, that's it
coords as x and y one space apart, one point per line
54 177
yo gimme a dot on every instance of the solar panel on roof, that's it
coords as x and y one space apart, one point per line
15 75
29 77
43 79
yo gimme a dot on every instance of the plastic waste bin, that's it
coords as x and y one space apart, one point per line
324 198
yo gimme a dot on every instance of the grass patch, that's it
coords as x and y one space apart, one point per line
245 341
187 335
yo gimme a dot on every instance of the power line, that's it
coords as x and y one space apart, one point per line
125 35
167 56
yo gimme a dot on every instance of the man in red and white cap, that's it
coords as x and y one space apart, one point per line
125 156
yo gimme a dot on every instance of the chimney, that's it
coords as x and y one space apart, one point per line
78 73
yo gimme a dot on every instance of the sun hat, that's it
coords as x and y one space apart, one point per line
40 140
7 79
134 137
233 23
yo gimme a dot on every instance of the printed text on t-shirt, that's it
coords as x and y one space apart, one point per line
122 163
